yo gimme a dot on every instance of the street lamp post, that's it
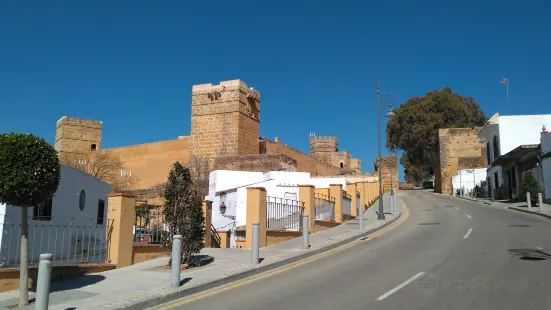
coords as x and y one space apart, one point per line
381 214
389 100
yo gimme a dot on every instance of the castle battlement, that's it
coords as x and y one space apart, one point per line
75 121
231 85
324 139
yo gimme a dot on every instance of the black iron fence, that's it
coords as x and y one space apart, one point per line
284 214
150 226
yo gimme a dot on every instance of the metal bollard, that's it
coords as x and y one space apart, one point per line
176 261
255 255
540 201
305 235
360 219
44 280
528 201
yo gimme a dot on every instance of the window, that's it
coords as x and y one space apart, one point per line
342 165
81 200
126 173
43 211
101 211
93 147
496 147
496 181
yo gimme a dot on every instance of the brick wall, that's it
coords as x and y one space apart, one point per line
459 148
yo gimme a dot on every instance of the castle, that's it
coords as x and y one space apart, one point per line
225 128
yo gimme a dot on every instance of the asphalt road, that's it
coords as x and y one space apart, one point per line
449 254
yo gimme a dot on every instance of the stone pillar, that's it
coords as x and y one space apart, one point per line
121 214
207 213
335 191
256 212
306 195
352 189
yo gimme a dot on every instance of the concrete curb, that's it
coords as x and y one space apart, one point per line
184 292
530 212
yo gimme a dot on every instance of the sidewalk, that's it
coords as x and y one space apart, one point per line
521 206
147 284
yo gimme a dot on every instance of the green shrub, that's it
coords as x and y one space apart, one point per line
530 185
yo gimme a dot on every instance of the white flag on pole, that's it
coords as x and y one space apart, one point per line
504 81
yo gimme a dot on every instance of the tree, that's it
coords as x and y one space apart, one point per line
29 175
102 165
183 212
530 185
414 128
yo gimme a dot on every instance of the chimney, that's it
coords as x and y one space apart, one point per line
276 140
544 131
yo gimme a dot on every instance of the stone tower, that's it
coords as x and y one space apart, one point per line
323 148
225 120
76 135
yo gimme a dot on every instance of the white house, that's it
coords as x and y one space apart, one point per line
502 135
231 187
71 226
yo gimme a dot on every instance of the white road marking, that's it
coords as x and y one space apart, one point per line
394 290
456 208
468 233
469 216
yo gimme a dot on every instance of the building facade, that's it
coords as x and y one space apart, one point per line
510 135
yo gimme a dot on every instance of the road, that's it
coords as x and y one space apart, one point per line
448 254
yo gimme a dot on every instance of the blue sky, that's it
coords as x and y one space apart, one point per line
131 64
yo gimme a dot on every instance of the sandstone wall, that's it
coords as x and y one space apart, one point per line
388 168
224 120
76 135
304 162
150 163
459 148
259 163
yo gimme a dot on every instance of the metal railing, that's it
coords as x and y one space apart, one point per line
284 214
150 226
347 205
324 207
70 240
216 240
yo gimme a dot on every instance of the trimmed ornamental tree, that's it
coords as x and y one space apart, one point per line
530 185
29 175
183 212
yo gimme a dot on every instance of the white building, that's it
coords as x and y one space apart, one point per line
71 226
466 180
502 135
231 187
546 163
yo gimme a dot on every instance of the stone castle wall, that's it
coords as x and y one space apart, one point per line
224 120
76 135
388 168
305 163
459 148
150 163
